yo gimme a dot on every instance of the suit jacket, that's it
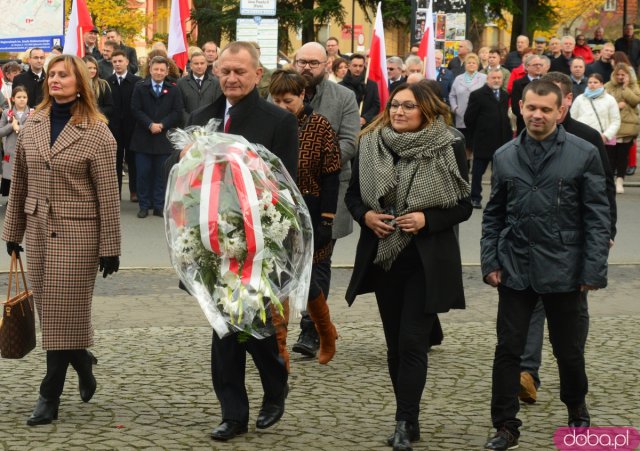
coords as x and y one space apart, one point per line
194 97
394 84
487 121
147 109
258 121
437 246
64 198
516 95
445 78
338 105
122 121
33 84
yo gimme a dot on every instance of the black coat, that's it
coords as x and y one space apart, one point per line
194 97
258 121
516 96
561 64
394 84
487 121
631 48
367 94
122 121
95 52
445 78
105 69
147 109
33 84
549 229
513 60
456 66
600 67
105 103
582 130
437 246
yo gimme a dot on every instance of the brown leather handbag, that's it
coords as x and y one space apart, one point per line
17 326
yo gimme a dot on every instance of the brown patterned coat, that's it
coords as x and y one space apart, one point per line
65 199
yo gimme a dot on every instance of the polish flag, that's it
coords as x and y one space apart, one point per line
177 48
79 23
378 60
427 48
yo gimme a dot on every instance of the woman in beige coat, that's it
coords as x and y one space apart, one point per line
627 94
64 198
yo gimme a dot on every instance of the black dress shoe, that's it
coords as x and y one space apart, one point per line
143 213
414 433
476 204
45 412
228 429
579 416
502 441
157 212
401 437
86 380
271 411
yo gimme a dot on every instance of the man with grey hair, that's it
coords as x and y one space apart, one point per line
456 65
563 62
546 64
413 64
394 72
533 65
514 58
338 105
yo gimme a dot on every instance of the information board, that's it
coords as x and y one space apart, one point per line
26 24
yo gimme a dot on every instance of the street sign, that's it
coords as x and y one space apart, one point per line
257 7
265 33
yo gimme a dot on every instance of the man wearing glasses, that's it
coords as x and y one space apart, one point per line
338 105
533 65
33 78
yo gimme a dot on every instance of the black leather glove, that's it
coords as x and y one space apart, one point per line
14 247
322 237
109 265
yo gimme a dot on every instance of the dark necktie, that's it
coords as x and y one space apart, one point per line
497 94
199 82
119 80
157 88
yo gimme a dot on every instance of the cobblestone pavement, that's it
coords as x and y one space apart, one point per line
154 386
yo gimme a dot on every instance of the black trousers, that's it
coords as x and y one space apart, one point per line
566 333
479 167
401 298
228 363
619 157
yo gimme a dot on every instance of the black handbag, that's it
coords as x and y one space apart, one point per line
17 326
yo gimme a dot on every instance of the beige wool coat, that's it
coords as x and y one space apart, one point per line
64 200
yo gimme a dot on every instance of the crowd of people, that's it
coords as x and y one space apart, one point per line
556 121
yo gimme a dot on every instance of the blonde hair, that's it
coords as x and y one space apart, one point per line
98 84
86 106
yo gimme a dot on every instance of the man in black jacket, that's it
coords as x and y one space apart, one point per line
545 234
157 107
366 91
533 65
563 62
487 121
122 122
604 65
91 44
532 357
242 111
33 78
629 45
132 56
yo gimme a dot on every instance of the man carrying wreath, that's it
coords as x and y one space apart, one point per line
243 112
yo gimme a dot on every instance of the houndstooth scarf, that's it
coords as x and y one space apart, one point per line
425 176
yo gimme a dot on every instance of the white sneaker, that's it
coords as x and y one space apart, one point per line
619 185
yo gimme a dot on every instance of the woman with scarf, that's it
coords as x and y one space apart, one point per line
626 93
408 191
463 85
318 180
599 110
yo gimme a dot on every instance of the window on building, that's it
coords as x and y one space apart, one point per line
162 20
610 5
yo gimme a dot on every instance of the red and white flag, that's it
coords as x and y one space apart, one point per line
177 48
427 48
79 23
378 60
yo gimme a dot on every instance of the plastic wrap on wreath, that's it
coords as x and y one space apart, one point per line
238 230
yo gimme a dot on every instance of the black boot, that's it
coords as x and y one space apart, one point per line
402 437
82 361
412 428
46 409
45 412
308 340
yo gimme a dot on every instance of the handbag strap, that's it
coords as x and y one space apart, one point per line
13 273
597 117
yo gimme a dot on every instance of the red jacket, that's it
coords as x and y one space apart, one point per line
516 73
584 51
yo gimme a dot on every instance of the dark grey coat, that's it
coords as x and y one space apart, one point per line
194 98
547 230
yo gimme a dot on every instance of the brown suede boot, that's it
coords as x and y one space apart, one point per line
319 312
281 323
